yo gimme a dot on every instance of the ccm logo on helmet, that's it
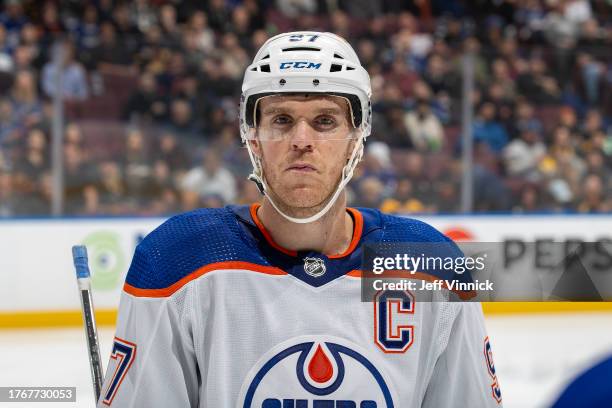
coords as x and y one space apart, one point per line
300 64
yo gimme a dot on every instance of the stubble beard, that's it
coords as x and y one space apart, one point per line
295 203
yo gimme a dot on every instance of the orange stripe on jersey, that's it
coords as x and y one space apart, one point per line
463 295
168 291
266 234
357 230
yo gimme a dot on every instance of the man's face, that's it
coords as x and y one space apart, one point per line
304 142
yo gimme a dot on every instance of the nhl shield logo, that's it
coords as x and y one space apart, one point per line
314 267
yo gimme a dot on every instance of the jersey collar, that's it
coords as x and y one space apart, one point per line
357 232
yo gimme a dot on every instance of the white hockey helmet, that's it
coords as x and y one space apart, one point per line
312 63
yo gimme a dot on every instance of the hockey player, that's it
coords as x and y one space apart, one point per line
259 306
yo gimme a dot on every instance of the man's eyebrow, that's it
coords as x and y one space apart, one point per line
271 110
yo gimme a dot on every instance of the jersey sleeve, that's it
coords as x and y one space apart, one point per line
153 361
464 373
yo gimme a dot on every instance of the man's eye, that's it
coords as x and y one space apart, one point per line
325 121
281 120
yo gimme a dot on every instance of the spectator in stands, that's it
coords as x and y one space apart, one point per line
169 26
593 122
111 188
592 200
437 75
9 126
170 151
536 84
162 193
210 178
369 193
403 200
562 35
530 200
26 105
6 60
35 160
38 201
91 201
413 167
52 26
596 164
591 79
568 118
31 39
12 19
490 192
111 51
8 198
524 119
233 58
204 36
447 198
143 15
522 155
194 56
218 15
22 58
488 130
181 121
74 78
136 168
88 30
241 26
145 104
78 174
392 126
127 32
501 77
377 164
73 134
563 152
424 127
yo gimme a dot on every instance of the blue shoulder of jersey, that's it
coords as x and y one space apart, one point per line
404 229
185 243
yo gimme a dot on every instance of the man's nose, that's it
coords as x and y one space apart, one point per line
302 135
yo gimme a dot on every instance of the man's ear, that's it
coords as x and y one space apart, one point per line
255 147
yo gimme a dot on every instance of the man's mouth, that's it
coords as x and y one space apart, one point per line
301 167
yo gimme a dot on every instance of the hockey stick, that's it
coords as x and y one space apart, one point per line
79 256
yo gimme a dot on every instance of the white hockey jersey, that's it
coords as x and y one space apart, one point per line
214 314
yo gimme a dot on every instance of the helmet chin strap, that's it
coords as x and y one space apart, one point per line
347 174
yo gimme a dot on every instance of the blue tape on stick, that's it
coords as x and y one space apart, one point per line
79 256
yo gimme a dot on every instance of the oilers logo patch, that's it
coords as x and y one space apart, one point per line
316 372
314 266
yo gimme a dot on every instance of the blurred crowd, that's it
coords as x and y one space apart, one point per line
151 90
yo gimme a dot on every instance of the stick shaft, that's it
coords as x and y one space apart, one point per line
79 254
93 347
